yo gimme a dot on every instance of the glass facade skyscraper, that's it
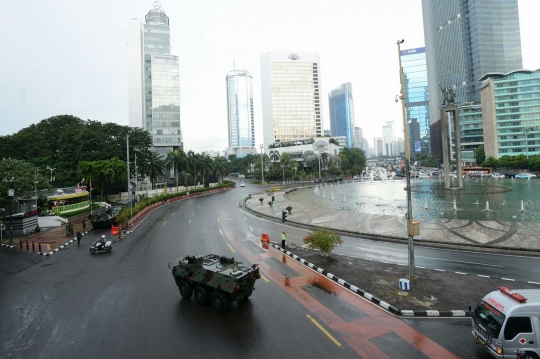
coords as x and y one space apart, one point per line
290 84
466 39
415 81
154 81
240 110
341 107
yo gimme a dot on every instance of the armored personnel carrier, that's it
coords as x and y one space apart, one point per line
214 279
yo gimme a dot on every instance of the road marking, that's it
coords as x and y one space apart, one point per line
244 218
385 262
533 282
231 247
511 280
440 270
164 223
483 276
251 229
220 231
193 213
420 267
324 330
266 279
440 259
173 214
461 273
189 221
218 220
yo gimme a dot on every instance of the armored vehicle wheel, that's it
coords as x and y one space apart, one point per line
185 290
202 294
221 301
249 294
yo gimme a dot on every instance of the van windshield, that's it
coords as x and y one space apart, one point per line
490 318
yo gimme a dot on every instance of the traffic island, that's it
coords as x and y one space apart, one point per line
434 293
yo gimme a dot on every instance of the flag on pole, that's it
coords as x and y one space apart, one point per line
90 184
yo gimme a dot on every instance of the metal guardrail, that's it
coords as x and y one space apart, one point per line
71 207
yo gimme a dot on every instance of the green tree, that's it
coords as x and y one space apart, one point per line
20 176
105 173
324 240
353 160
274 156
534 163
480 155
521 161
174 161
220 167
505 161
206 164
157 166
491 162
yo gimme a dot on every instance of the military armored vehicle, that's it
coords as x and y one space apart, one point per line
214 279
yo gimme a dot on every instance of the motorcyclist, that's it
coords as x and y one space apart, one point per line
79 236
101 241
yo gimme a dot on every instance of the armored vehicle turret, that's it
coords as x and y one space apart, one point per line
214 279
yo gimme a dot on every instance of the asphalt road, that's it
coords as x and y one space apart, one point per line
126 304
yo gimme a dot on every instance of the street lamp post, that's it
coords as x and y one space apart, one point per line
128 181
261 146
407 166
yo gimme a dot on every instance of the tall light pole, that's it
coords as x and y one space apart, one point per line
407 166
35 186
526 130
261 146
129 180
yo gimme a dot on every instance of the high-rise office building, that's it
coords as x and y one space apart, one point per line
366 146
240 112
154 81
378 146
341 108
389 147
358 138
290 84
511 113
416 99
466 39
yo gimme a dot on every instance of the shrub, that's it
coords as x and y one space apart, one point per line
324 240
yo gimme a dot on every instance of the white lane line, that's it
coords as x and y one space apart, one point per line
533 282
440 259
244 218
483 276
193 213
173 214
461 273
420 267
251 229
511 280
385 262
164 223
440 270
218 220
189 221
484 254
220 231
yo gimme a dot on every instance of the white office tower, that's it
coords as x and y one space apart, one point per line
154 82
358 138
389 140
240 113
290 84
378 145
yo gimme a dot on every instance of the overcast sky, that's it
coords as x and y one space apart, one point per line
61 58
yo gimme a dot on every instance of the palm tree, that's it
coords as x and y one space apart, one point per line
205 164
156 166
220 167
193 159
248 161
174 160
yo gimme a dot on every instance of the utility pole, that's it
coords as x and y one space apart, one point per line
262 163
407 167
129 180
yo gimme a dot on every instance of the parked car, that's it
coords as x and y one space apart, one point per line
377 178
242 184
509 174
497 175
525 175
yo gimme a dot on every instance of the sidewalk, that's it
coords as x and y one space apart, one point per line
486 234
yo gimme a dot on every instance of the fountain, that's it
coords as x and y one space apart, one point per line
344 198
332 194
504 203
425 203
522 208
487 205
476 202
323 193
455 207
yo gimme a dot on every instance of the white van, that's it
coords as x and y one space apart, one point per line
507 320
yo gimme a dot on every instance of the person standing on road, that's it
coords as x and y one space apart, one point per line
84 224
283 239
79 236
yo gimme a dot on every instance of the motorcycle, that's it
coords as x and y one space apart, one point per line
101 246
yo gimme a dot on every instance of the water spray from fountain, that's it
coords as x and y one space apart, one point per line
522 207
487 205
455 206
425 203
332 195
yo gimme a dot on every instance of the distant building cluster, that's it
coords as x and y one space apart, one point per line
472 48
